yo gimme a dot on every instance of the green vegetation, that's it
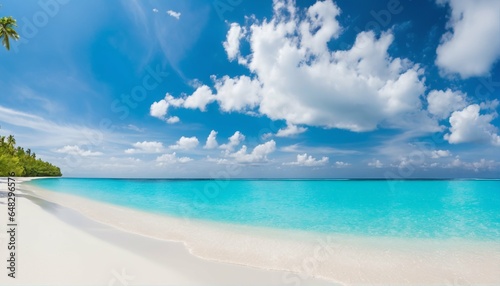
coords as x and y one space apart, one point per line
7 31
22 163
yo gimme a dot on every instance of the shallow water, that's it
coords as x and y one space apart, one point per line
418 209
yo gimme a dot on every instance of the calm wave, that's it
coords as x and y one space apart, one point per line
433 209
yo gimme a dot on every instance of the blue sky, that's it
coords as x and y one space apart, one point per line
329 89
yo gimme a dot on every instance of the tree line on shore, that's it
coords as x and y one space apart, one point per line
23 163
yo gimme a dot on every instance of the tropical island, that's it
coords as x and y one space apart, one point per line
23 163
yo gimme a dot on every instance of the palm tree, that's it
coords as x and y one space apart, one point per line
7 31
11 141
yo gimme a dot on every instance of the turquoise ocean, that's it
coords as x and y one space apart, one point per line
468 209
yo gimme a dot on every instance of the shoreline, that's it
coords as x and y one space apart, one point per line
348 260
159 262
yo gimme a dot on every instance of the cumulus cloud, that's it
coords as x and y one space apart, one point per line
234 141
146 147
211 140
376 164
168 159
199 99
174 14
76 150
173 120
232 44
159 109
290 130
238 94
468 125
185 143
309 161
340 164
440 154
471 46
155 10
443 103
295 77
258 154
476 166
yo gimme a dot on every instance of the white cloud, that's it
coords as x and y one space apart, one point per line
211 140
155 10
146 147
296 148
443 103
258 154
472 45
238 93
232 44
174 14
185 143
440 154
490 105
469 125
290 130
296 78
76 150
476 166
218 161
234 141
376 164
199 99
168 159
173 120
309 161
159 109
42 131
340 164
134 128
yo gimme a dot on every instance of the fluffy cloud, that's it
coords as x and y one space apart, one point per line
472 45
232 44
238 94
174 14
443 103
340 164
290 130
234 141
468 125
376 164
295 77
309 161
76 150
185 143
440 154
146 147
159 110
211 140
476 166
168 159
199 99
258 154
173 119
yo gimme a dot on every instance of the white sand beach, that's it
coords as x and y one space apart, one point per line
59 246
68 240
